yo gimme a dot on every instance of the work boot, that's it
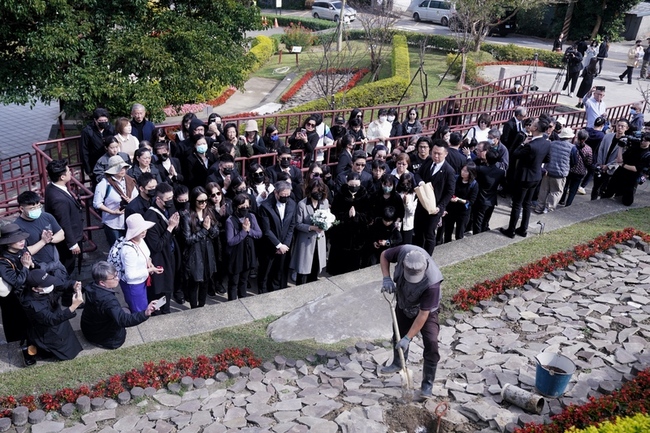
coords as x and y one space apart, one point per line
428 376
396 365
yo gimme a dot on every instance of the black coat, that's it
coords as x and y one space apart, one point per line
160 241
14 320
68 213
275 230
199 262
137 205
444 183
509 132
50 328
530 157
103 320
164 174
296 179
489 177
92 145
197 173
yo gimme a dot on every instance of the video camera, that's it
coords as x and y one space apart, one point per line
629 140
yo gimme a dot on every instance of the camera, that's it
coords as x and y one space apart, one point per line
536 56
629 140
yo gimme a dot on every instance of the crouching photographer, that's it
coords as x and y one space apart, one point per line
633 165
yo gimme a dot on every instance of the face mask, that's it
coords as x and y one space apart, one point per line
354 189
285 163
258 177
151 193
46 290
317 195
164 157
240 190
182 206
169 204
387 189
382 118
274 137
35 213
390 118
103 125
202 148
632 111
242 212
227 171
283 199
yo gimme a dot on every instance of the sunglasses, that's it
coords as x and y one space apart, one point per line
311 124
216 194
201 201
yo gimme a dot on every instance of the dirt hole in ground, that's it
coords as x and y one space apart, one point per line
412 419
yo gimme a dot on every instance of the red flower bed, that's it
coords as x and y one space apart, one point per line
632 398
221 99
152 374
358 75
467 298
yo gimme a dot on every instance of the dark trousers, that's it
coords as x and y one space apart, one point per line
571 188
425 229
573 79
600 185
600 65
429 333
482 215
237 284
66 257
112 235
628 72
623 183
197 293
407 237
522 197
273 272
456 220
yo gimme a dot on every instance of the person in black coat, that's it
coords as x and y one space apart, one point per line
306 139
147 192
160 240
384 233
104 321
198 164
489 177
92 139
443 180
277 219
67 211
169 168
50 329
462 202
284 165
142 128
512 126
573 60
530 156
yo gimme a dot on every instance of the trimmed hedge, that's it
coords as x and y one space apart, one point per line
309 23
263 48
371 94
638 423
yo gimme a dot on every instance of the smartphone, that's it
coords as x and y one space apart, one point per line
158 303
303 131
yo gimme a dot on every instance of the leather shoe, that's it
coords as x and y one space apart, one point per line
521 233
507 232
29 359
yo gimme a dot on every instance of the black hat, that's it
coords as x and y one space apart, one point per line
39 278
12 233
339 120
600 121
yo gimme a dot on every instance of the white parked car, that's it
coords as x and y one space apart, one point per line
331 10
437 11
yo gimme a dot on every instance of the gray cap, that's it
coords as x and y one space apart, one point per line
415 266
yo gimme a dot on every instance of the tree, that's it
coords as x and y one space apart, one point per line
111 53
378 28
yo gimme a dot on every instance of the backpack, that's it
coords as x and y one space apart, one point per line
115 256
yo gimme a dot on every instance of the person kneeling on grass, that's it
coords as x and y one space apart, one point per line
104 321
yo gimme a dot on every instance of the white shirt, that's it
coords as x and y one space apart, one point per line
134 262
281 207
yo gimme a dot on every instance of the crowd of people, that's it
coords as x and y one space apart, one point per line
212 211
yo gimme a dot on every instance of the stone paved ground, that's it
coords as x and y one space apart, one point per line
596 312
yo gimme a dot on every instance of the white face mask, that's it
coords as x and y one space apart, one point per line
382 118
46 290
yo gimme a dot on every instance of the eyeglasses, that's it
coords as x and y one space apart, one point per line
202 201
360 164
311 124
285 159
114 277
215 194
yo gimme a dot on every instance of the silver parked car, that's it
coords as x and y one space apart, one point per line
437 11
331 10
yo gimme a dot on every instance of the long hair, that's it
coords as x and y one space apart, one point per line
195 224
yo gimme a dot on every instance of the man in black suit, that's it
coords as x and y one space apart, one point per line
512 126
359 163
277 221
92 139
67 211
168 166
455 157
489 177
530 156
443 179
283 163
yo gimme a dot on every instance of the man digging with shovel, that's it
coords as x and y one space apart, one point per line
416 284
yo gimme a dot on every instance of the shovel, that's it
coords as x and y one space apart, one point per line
405 373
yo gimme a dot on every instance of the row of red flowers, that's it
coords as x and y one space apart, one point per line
632 398
221 99
356 77
151 375
467 298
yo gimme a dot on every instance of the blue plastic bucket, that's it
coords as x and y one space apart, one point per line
553 374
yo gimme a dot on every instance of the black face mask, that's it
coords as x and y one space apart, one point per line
182 206
283 199
151 193
103 125
284 163
317 195
169 204
354 189
227 171
242 212
258 177
164 156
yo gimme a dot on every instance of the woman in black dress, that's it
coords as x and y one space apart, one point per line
588 75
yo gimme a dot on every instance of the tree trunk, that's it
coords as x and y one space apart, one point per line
461 79
599 19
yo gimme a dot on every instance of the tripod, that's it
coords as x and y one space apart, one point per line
534 87
558 79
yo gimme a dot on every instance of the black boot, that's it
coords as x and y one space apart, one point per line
396 365
27 357
428 376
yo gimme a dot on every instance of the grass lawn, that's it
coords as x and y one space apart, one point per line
89 369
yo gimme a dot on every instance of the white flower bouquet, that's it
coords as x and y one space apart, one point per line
323 219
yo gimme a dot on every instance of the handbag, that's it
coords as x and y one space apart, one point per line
427 197
5 288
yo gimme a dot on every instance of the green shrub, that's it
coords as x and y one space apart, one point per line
307 22
295 35
262 49
515 53
471 70
638 423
